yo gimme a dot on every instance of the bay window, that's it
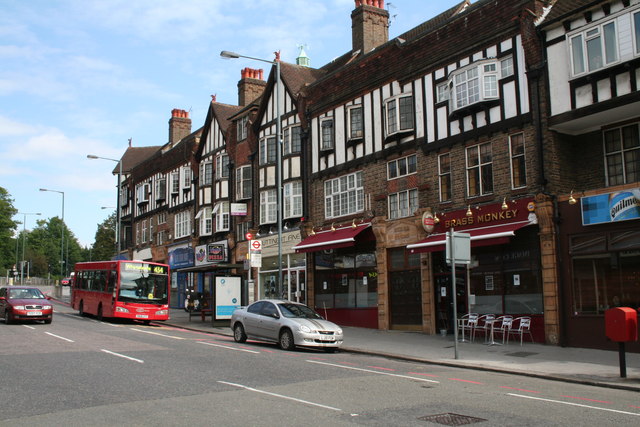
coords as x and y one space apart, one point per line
268 207
292 199
243 182
594 48
399 114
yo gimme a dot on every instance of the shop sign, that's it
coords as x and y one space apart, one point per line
488 215
238 209
212 253
428 222
611 207
181 256
289 240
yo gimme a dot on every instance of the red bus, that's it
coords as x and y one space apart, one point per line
124 289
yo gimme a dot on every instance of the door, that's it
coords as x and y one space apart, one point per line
444 302
297 286
405 290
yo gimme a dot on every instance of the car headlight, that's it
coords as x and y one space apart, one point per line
122 310
18 307
339 332
46 307
305 328
162 312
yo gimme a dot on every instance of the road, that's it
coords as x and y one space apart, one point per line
79 371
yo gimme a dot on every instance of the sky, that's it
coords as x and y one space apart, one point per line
80 77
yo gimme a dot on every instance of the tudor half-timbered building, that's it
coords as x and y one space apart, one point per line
438 121
592 51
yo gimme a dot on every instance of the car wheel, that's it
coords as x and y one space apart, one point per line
286 340
330 349
47 321
99 316
7 317
81 308
238 333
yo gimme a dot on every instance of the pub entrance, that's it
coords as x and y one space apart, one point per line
405 290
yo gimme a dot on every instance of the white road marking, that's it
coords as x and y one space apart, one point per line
374 372
27 326
228 348
123 356
575 404
59 337
306 402
157 333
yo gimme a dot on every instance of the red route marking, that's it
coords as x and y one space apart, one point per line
348 363
633 406
424 375
465 381
381 368
519 389
584 398
318 358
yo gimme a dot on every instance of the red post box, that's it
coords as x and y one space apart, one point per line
621 324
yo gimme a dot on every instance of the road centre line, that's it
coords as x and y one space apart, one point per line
59 337
157 333
227 347
306 402
574 404
374 372
122 355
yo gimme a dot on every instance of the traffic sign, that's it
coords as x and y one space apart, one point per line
255 245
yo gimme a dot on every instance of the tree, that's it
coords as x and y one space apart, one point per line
7 230
104 247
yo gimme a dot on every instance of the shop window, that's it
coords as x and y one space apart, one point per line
345 280
605 272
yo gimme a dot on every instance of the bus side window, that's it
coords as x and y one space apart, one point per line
99 282
111 284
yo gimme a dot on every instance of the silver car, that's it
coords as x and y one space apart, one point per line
287 323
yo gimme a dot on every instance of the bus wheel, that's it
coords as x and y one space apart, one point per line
81 308
99 316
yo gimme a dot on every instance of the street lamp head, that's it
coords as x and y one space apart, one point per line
229 55
91 156
43 189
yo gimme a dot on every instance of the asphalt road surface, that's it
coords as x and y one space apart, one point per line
79 371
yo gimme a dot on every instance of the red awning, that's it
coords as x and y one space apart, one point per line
484 236
340 238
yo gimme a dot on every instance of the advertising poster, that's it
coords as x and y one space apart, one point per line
228 296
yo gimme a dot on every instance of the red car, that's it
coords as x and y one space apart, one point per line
24 303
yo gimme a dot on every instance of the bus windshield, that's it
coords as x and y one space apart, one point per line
143 283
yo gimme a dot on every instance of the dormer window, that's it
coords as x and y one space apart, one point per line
242 128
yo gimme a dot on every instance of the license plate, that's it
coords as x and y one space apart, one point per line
142 316
326 338
34 313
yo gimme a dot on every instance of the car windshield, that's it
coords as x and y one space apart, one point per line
25 294
298 310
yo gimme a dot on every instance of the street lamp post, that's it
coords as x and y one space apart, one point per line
118 245
24 232
62 261
276 62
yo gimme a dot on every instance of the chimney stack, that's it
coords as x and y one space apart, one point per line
250 86
369 25
179 125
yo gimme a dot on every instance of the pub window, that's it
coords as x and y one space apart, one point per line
479 170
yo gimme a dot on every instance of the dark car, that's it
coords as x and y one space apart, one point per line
24 303
66 281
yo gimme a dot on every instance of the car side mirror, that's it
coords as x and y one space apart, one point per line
274 315
48 297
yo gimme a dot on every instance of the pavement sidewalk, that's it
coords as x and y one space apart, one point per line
579 365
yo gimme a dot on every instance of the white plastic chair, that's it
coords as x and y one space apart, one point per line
524 327
469 323
484 325
503 326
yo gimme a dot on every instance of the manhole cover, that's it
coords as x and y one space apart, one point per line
450 419
521 354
